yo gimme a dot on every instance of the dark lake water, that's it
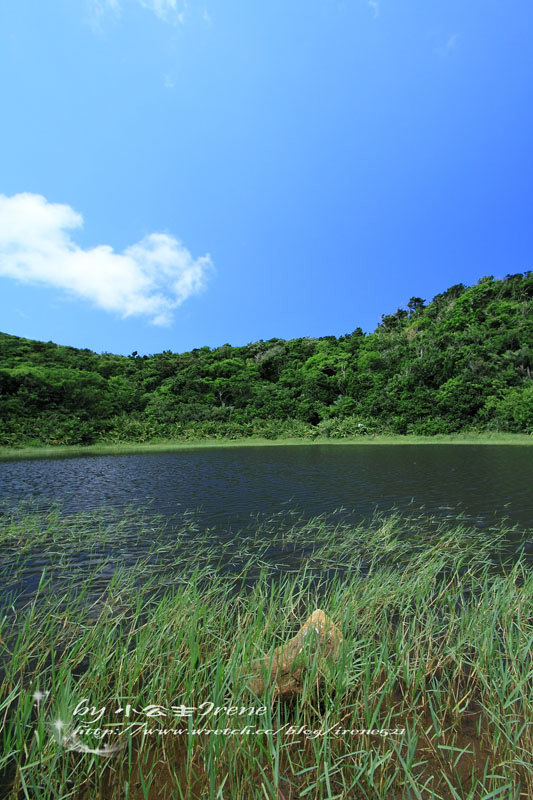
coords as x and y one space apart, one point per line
227 490
227 486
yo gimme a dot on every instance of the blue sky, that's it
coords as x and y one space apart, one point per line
177 174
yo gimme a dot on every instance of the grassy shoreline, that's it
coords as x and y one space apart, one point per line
437 652
111 448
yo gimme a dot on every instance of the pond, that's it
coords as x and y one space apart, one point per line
231 490
227 486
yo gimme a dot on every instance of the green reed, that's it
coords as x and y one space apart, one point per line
438 636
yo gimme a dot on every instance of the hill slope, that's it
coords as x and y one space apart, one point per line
464 361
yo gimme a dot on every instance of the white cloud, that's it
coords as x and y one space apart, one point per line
101 6
374 5
150 278
447 48
166 10
98 9
451 43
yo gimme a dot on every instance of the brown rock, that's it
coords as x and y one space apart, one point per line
317 641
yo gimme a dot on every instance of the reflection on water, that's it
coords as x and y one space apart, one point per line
225 496
226 486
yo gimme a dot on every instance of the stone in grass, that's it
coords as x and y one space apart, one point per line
318 641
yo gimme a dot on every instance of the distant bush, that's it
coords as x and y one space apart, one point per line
347 427
512 411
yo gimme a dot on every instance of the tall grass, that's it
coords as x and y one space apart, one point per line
430 697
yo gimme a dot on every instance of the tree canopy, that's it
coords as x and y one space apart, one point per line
460 362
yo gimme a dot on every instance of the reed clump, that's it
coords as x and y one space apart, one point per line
131 681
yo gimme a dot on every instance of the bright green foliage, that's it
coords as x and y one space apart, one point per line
461 362
428 698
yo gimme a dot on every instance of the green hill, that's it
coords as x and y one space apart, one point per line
463 361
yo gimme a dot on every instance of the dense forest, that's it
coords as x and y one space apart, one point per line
460 362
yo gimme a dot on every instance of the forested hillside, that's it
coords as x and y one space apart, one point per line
463 361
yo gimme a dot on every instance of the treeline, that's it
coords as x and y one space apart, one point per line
462 362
